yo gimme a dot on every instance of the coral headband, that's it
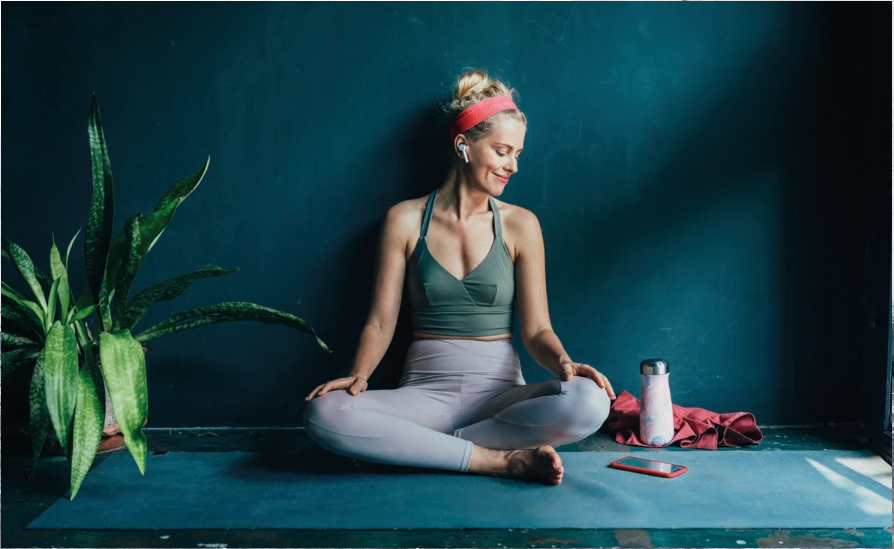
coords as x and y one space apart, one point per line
482 110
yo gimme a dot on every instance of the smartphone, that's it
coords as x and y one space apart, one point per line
649 467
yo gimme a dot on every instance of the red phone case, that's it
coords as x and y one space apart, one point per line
617 465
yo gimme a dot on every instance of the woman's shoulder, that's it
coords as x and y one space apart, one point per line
516 219
406 216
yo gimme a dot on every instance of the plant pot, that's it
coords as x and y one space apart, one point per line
111 443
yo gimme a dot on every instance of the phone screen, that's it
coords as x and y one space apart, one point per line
649 465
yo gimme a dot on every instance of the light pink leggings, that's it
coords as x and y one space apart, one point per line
453 393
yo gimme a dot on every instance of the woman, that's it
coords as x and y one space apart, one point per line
462 403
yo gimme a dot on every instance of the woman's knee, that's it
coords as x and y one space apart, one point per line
588 405
323 414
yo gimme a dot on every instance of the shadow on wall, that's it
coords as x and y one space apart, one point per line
772 101
242 408
415 157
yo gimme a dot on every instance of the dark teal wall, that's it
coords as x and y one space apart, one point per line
702 172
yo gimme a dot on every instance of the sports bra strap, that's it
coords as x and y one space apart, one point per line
429 208
498 229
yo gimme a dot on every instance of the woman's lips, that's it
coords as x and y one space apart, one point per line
501 178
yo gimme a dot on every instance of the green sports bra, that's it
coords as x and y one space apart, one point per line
480 304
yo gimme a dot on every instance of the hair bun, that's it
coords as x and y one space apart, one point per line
473 86
469 83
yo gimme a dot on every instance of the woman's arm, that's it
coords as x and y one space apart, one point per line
537 333
530 293
391 264
387 290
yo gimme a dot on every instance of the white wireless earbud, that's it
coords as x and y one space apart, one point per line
462 149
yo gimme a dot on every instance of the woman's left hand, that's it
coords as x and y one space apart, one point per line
571 369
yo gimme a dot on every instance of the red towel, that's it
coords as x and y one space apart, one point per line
693 427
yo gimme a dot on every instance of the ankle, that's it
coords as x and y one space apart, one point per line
485 460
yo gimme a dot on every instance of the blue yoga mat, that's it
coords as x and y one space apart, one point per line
723 489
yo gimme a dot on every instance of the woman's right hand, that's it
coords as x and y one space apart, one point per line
354 385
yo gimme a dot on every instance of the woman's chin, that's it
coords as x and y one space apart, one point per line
494 187
497 187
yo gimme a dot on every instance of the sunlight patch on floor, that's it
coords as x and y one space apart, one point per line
867 500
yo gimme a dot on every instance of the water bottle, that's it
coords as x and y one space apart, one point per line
656 418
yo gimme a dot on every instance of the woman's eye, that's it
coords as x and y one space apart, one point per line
501 153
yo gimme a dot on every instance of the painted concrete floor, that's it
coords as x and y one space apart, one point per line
23 500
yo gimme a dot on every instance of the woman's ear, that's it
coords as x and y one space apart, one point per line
461 145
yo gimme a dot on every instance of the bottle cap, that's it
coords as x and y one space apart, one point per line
653 367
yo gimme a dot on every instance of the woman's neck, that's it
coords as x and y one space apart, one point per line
460 197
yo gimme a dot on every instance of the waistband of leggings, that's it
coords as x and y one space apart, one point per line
504 340
463 356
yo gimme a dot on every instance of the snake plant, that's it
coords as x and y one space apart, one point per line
74 366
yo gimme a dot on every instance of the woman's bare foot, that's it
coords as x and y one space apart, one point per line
542 464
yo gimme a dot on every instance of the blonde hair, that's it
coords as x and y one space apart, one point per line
472 87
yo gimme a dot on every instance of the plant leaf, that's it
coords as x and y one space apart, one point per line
127 271
12 360
57 268
59 272
60 364
154 224
25 266
167 206
227 312
40 415
64 294
83 313
98 235
88 421
124 368
13 341
19 328
102 308
51 308
10 292
42 278
68 251
83 333
22 308
26 311
166 291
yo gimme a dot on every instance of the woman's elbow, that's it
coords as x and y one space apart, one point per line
532 335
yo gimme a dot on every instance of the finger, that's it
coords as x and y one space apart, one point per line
567 371
326 388
610 390
594 374
355 388
312 393
604 383
315 392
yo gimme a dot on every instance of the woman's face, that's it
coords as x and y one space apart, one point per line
494 158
